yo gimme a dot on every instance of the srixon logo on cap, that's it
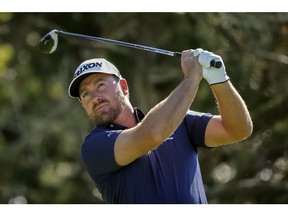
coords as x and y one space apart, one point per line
87 67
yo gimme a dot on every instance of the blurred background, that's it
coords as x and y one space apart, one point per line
42 128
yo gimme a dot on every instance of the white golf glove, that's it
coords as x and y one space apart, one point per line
211 74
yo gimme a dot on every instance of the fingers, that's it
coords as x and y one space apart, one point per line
197 52
194 53
187 56
186 53
190 64
197 63
206 57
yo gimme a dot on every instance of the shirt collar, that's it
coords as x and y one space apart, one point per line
139 115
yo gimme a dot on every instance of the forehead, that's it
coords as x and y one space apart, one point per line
94 78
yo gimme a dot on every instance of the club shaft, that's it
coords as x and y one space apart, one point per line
213 63
131 45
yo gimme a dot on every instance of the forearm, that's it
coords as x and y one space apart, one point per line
234 113
162 120
166 116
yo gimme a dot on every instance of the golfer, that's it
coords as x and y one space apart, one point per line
152 158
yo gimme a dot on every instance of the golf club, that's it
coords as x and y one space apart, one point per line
48 44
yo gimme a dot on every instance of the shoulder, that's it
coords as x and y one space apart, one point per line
196 113
97 151
197 117
100 136
196 124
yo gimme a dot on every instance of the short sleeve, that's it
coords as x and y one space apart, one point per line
196 124
97 152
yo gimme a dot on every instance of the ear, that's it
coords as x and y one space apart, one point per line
124 86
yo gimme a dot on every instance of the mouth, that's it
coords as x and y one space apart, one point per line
100 106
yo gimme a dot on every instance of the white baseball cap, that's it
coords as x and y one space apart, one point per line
97 65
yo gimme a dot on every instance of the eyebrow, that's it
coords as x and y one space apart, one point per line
95 81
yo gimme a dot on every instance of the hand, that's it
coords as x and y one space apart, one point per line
190 65
211 74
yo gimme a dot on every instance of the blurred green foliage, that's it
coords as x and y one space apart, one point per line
41 128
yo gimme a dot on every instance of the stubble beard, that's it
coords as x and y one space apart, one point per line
110 115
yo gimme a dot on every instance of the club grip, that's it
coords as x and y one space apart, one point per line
213 63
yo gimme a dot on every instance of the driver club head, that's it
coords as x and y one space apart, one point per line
48 44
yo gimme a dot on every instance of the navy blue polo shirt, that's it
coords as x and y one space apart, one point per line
168 174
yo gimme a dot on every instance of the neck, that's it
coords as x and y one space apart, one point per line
127 117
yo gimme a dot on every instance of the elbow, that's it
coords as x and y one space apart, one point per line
245 132
150 135
153 138
158 136
249 129
156 139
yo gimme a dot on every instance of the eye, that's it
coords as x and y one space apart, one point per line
85 94
100 85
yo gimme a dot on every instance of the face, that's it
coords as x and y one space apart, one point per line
102 97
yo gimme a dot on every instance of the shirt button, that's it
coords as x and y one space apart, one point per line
111 125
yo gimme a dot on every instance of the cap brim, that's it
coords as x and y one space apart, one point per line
74 85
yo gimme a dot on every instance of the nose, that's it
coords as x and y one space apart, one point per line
95 97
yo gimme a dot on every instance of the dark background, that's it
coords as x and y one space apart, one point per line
41 128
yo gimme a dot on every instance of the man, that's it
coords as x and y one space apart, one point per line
134 158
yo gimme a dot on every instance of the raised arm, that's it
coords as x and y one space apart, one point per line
162 120
234 122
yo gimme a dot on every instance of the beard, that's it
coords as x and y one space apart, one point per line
110 115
